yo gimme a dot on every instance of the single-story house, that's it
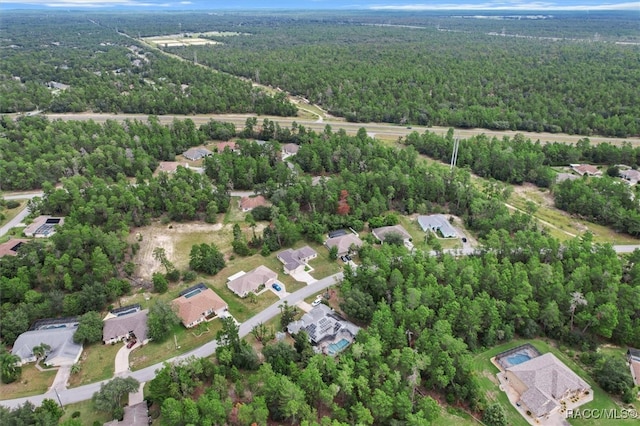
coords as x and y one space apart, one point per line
11 247
633 356
198 304
250 203
437 222
543 382
344 243
290 149
561 177
126 325
170 166
197 153
383 232
294 259
57 85
631 176
328 332
586 169
43 226
250 282
221 146
64 351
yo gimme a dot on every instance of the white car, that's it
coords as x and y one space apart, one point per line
316 302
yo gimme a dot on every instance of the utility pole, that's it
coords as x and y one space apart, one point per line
454 154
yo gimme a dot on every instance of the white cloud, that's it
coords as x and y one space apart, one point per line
96 3
509 5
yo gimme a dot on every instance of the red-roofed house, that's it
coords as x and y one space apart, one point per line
250 203
10 248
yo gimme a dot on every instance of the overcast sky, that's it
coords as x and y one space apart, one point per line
631 6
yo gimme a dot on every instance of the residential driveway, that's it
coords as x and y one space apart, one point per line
136 397
303 277
304 306
122 359
62 377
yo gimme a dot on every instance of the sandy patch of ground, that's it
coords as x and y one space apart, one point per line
175 239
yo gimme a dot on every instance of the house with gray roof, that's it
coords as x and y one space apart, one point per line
543 383
437 223
344 243
196 153
328 332
129 325
64 351
294 259
383 232
631 176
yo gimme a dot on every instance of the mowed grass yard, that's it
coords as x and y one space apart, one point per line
88 414
187 339
31 382
97 363
489 384
11 213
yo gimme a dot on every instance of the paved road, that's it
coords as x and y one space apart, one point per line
83 393
382 130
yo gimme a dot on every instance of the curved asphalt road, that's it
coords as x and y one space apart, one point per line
83 393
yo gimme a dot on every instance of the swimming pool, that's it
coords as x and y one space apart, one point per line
516 359
339 346
192 293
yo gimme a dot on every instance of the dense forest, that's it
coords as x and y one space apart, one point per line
91 67
366 71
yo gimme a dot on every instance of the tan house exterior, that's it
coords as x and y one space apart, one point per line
192 309
543 384
344 243
250 282
10 248
250 203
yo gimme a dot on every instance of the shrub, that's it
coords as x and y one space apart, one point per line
12 204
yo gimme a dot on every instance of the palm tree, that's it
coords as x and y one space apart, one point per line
10 369
40 351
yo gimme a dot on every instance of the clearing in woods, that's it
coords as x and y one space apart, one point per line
176 239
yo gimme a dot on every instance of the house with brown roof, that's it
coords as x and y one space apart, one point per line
289 149
344 243
383 232
132 325
197 304
544 383
586 169
250 203
43 226
294 259
244 283
11 247
221 146
170 166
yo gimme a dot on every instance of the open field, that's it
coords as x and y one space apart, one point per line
488 382
31 382
88 414
564 226
97 363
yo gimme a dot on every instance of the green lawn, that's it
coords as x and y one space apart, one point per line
31 382
488 382
452 416
187 339
88 414
97 364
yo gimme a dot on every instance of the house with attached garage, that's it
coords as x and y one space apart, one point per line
11 247
296 259
198 304
55 333
129 322
43 226
437 223
344 243
197 153
244 283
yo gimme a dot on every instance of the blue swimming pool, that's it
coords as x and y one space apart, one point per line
516 359
339 346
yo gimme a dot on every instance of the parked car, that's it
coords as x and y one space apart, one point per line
131 343
316 302
276 286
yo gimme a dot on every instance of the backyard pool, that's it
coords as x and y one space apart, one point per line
517 355
339 346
